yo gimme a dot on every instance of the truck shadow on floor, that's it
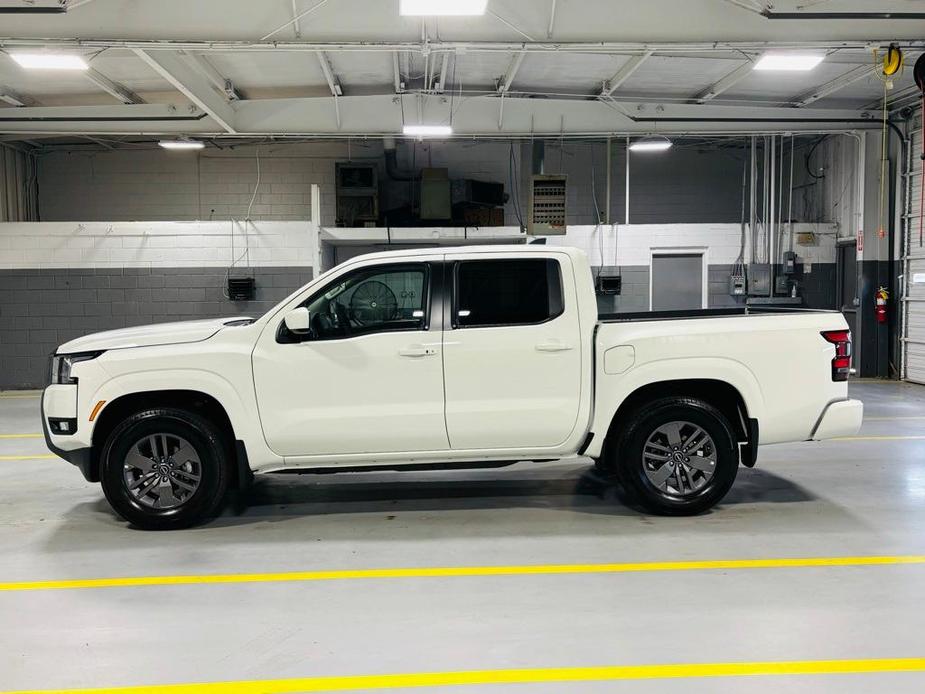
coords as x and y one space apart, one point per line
582 490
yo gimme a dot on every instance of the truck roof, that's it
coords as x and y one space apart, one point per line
442 250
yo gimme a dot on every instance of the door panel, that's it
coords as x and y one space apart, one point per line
340 392
508 385
677 282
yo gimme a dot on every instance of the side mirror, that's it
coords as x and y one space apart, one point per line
298 321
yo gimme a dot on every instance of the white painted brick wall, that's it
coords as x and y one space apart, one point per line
156 244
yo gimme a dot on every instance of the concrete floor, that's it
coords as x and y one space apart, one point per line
841 498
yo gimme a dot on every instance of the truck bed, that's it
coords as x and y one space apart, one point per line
704 313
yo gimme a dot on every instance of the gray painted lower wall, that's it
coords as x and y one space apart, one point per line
816 288
42 308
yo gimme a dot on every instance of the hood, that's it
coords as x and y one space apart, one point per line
151 335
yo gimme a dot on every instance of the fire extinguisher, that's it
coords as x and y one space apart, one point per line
883 297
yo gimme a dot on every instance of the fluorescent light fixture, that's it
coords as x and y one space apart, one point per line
427 130
789 61
181 144
651 144
12 100
441 8
50 61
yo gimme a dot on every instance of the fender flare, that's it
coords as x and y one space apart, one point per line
613 391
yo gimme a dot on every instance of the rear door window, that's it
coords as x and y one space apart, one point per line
496 292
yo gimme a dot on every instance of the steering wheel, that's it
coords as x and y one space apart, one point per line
341 318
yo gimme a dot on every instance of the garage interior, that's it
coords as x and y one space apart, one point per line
169 160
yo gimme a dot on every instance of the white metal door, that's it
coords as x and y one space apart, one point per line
914 268
378 391
514 382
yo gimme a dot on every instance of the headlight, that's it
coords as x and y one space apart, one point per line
61 365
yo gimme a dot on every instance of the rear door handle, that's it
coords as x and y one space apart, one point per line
417 351
553 346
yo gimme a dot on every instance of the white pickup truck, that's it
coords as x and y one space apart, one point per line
454 357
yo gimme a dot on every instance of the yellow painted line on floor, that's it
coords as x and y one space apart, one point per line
459 571
878 438
20 436
519 676
19 395
44 456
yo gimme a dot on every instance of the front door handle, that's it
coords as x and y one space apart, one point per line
553 346
417 351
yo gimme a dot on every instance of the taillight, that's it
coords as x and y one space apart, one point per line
841 364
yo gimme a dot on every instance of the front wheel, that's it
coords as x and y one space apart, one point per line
677 457
164 468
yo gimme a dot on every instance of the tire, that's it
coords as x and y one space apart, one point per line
670 482
165 468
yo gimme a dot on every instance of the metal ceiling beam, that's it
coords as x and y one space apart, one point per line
296 26
333 83
552 19
113 88
504 84
396 73
833 86
295 19
376 116
196 87
598 47
221 83
624 73
441 85
509 25
733 78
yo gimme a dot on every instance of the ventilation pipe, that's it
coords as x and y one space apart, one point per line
391 163
539 157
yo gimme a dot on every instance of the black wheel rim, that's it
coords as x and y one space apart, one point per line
679 459
162 471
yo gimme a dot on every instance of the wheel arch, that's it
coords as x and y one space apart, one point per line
722 395
204 404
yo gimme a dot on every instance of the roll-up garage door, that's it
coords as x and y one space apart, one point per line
914 270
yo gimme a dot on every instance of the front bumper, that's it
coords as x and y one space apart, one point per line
841 418
59 402
80 457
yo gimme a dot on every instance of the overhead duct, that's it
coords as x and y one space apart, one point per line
391 163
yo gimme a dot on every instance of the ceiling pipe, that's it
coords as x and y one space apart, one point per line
599 47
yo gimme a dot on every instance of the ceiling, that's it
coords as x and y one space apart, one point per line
355 67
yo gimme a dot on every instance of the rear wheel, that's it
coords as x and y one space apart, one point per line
164 468
677 456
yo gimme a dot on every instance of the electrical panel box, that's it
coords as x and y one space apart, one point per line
610 285
759 280
436 197
357 194
790 263
547 205
737 285
781 285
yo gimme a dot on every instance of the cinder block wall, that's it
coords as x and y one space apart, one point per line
60 280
